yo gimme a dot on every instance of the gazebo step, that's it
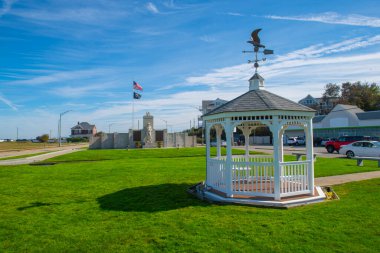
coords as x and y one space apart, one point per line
286 202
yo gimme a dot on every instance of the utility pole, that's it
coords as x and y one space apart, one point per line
60 126
109 127
17 134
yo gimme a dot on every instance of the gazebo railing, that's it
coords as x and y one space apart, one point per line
294 178
216 174
254 176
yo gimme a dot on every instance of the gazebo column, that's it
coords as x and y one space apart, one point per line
281 143
207 136
310 154
275 129
228 129
218 130
246 129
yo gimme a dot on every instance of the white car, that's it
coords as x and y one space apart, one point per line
291 141
295 141
361 148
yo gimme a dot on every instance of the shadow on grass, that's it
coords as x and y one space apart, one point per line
152 198
54 162
35 204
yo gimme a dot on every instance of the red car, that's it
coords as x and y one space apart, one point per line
332 146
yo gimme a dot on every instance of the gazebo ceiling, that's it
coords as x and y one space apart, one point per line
259 100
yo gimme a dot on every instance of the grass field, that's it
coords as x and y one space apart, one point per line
136 201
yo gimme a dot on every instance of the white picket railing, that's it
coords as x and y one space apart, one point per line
294 178
216 174
254 176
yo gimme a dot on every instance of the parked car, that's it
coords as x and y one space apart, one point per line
300 140
291 141
361 148
295 141
325 140
215 144
334 145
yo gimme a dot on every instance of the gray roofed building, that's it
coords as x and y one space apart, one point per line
344 120
372 115
83 129
209 105
322 105
318 118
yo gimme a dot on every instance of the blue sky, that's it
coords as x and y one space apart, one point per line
83 55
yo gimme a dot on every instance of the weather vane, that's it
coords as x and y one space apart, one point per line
255 41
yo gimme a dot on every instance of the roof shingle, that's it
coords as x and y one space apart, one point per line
259 100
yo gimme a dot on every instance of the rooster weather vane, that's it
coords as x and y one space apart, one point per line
255 41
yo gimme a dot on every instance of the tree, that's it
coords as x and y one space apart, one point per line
99 134
365 96
331 90
43 138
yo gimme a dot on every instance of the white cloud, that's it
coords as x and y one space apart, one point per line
60 76
97 13
334 18
207 38
310 68
7 102
234 14
152 8
6 6
83 90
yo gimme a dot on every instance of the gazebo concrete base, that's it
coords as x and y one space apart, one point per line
213 196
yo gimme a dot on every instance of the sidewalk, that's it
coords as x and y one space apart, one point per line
10 153
38 158
341 179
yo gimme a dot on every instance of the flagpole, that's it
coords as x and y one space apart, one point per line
133 108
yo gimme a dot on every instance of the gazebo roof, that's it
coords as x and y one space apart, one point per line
259 100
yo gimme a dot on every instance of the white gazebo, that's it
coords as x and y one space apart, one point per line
259 179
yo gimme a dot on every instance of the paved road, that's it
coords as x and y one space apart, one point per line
11 153
38 158
320 151
341 179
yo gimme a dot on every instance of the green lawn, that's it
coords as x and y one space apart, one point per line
136 201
